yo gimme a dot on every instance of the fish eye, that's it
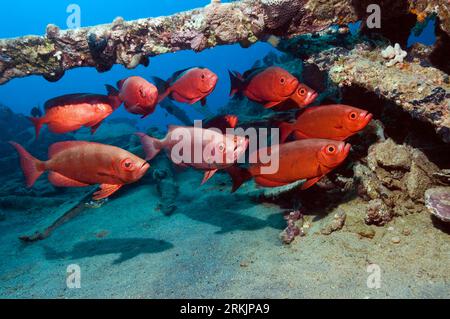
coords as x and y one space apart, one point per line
221 147
331 149
302 91
282 80
203 76
127 164
353 115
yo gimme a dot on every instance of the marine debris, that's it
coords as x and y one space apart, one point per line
134 42
67 212
422 92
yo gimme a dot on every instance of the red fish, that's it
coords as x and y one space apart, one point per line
138 95
336 122
308 159
271 86
71 112
188 86
79 164
222 122
215 151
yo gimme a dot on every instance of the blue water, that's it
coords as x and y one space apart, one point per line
26 17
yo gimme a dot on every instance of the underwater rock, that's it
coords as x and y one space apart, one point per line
424 8
337 223
378 213
394 181
390 155
443 176
437 200
422 92
294 227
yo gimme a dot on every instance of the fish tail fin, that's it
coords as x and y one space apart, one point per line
31 166
37 122
239 176
113 94
286 129
162 86
152 146
236 82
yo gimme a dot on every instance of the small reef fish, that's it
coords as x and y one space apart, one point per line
199 148
271 86
222 122
188 86
71 112
138 95
80 164
308 159
336 122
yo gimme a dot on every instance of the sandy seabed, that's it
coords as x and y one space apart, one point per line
219 245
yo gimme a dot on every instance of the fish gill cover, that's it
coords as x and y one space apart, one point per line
325 172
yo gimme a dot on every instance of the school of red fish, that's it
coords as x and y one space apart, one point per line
318 134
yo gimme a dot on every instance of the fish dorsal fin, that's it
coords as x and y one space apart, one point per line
248 75
120 83
62 146
77 98
178 74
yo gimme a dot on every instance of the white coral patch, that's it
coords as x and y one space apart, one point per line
394 54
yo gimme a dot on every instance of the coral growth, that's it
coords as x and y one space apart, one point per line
394 54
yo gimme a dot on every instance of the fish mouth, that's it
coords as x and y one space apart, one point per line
364 120
144 168
210 90
346 149
367 118
311 98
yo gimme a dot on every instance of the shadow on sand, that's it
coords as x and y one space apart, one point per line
128 248
224 211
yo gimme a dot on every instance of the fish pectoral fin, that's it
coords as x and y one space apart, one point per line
270 104
310 182
105 191
262 181
59 180
208 175
300 135
203 101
